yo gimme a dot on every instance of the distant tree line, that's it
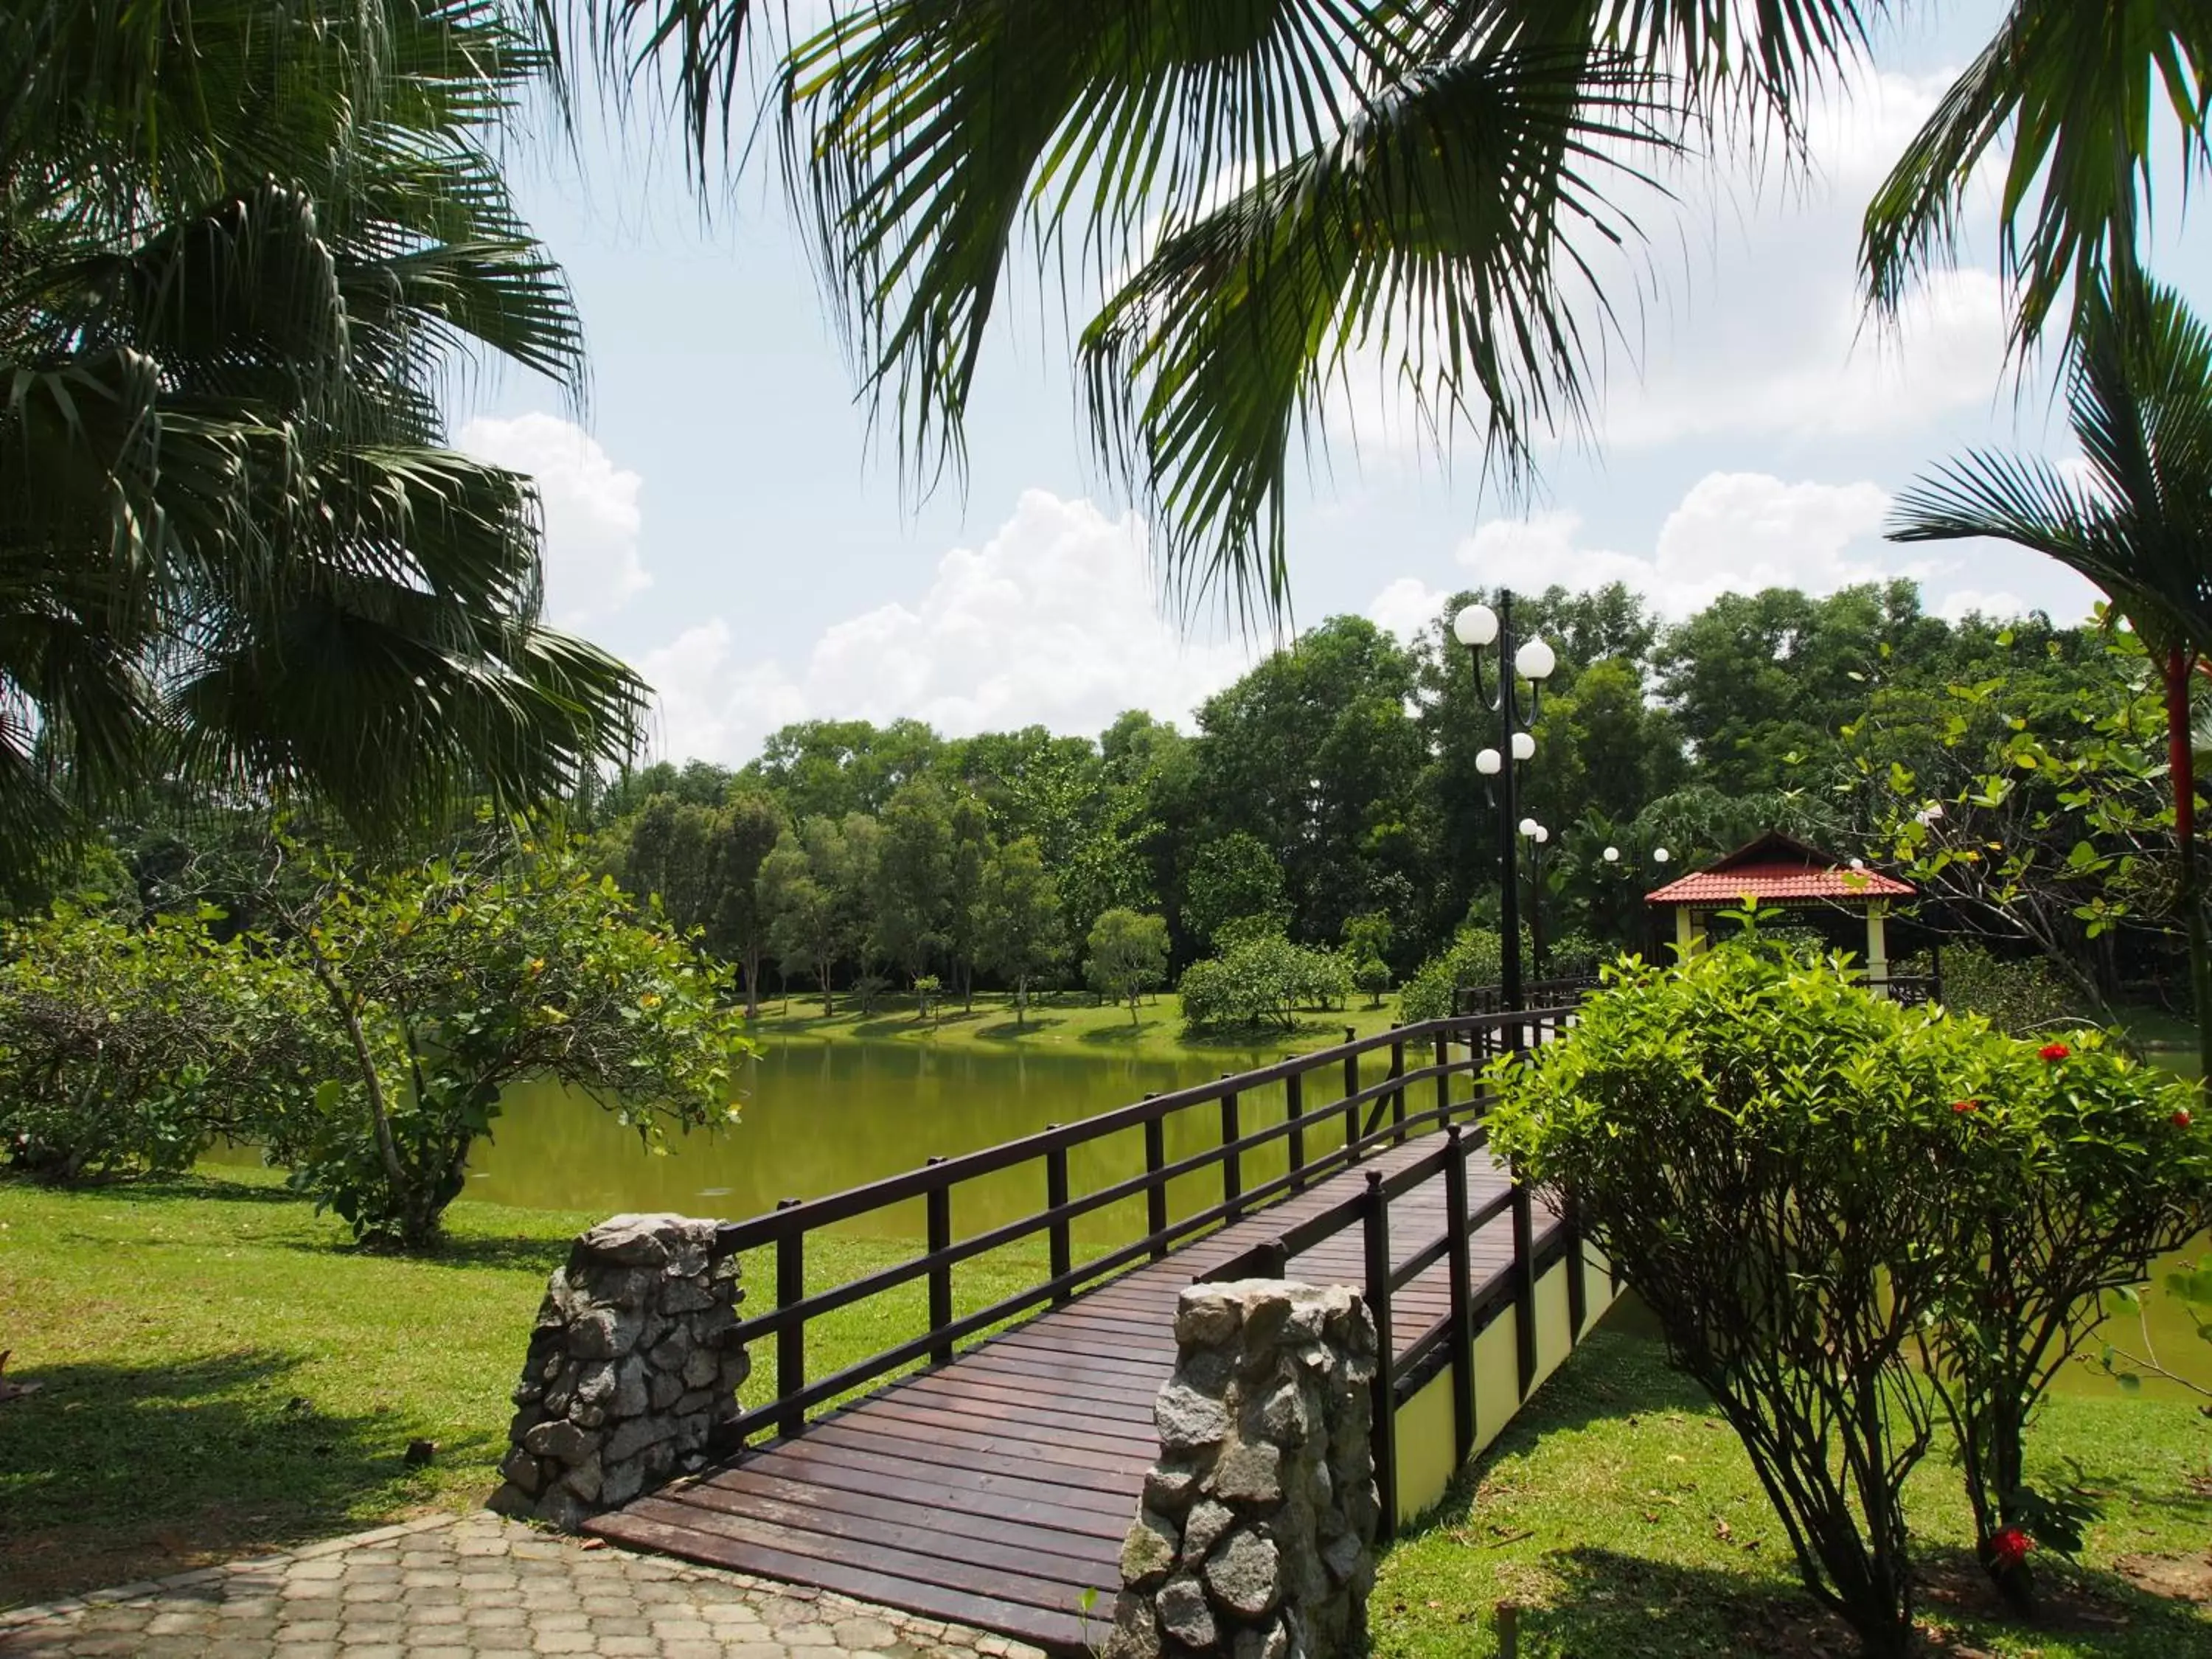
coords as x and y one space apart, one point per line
1331 794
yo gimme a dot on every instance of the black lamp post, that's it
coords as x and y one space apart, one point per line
1475 628
1538 836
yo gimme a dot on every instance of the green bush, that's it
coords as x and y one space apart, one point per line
1804 1181
1472 958
127 1047
2079 1167
2020 995
441 986
1262 979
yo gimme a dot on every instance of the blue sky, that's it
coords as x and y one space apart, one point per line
717 513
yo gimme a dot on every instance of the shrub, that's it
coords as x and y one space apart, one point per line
2021 996
1264 978
2079 1168
1372 975
440 987
1472 958
1759 1142
1801 1178
127 1047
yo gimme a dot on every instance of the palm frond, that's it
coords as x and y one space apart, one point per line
2071 91
1444 231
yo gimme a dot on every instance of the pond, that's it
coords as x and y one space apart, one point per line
820 1117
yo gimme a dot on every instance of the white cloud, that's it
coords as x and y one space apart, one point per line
593 520
1407 606
1733 531
1742 531
1053 620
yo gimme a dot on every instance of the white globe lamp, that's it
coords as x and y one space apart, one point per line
1475 626
1489 763
1536 660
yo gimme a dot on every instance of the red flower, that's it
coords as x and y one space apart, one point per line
2054 1051
2181 1118
2008 1546
1965 1105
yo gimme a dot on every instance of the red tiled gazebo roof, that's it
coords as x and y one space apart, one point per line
1775 869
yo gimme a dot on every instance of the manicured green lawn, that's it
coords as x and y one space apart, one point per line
1069 1022
222 1373
1620 1512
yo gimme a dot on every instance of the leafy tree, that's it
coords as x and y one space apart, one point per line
1127 955
238 548
798 898
130 1048
746 831
831 768
441 986
2139 399
1313 754
1233 879
971 855
911 903
1261 978
1021 935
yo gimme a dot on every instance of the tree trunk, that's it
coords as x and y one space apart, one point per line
752 981
2182 764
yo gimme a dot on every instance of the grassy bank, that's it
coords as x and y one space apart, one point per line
1620 1512
1064 1022
220 1373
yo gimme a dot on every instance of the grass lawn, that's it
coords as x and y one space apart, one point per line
222 1373
1620 1512
1067 1022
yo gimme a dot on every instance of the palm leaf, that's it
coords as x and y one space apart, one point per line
1443 230
2071 89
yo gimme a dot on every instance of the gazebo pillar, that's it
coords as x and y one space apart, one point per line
1878 947
1685 930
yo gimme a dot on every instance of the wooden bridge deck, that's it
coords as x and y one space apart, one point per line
995 1490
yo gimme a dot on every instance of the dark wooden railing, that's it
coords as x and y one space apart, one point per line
1451 1343
1366 1115
1564 989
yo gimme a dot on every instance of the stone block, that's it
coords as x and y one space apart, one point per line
1148 1553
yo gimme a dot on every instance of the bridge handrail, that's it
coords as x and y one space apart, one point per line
786 1228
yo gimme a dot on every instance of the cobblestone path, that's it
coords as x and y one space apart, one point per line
448 1589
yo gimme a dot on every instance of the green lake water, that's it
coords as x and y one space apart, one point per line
820 1117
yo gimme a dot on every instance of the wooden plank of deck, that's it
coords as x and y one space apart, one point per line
994 1491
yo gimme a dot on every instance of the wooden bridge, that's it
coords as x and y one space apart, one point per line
994 1485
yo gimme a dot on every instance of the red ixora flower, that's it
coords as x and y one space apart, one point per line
2054 1051
2008 1546
2181 1119
1965 1105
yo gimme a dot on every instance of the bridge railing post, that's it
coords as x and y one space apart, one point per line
1055 1198
1443 1078
1232 1161
1156 1189
940 1276
1459 1264
1350 1102
1398 1095
1385 1407
1524 1284
791 1341
1294 1107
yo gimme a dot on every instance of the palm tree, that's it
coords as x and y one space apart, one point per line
1273 195
244 244
2139 523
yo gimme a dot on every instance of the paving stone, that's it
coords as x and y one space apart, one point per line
478 1588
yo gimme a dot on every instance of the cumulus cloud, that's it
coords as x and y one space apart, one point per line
593 565
1742 531
1053 620
1407 606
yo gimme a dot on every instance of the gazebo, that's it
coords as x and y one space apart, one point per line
1778 870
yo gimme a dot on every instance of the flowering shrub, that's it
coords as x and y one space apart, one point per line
2081 1168
1806 1183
